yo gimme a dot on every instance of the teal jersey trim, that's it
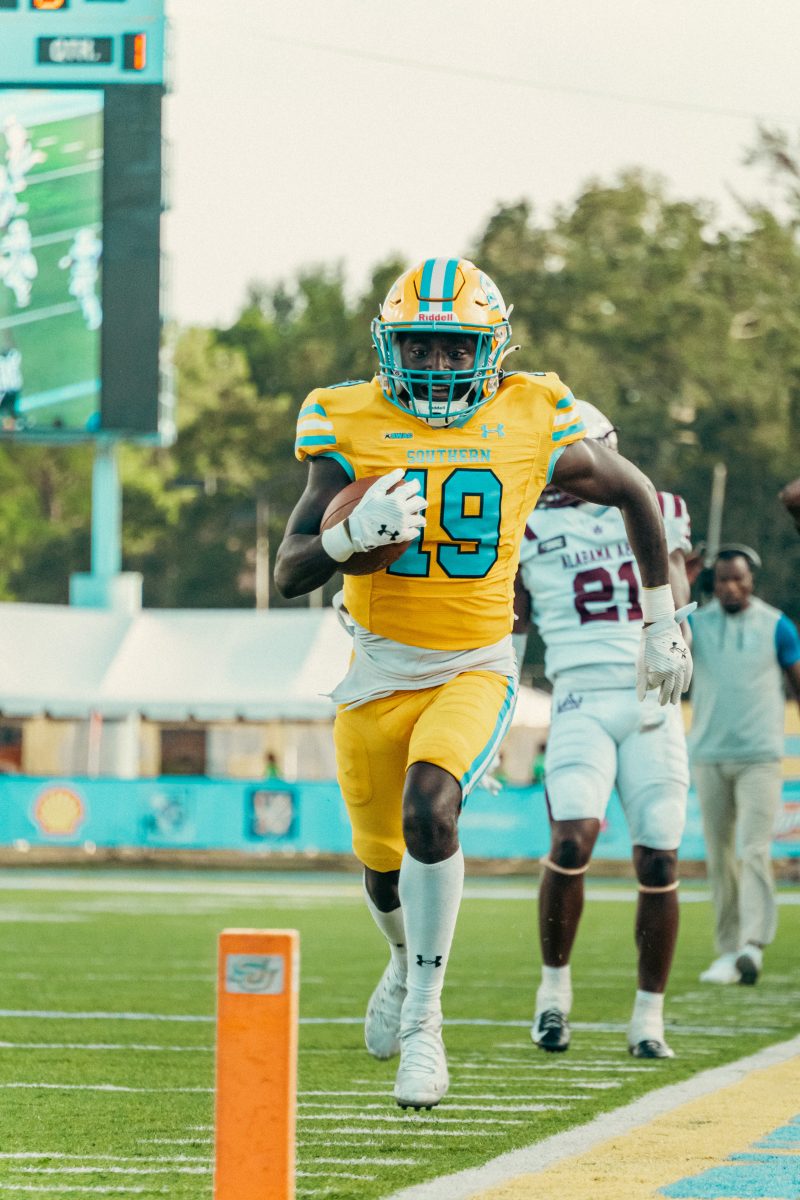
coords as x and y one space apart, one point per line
341 460
551 466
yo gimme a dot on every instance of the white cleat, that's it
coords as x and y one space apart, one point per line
382 1022
422 1078
722 970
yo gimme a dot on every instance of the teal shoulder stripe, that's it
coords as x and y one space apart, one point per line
307 409
566 401
345 383
342 461
576 427
323 439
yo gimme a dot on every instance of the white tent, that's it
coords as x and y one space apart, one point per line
182 664
170 665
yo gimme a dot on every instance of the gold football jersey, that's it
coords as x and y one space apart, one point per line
453 588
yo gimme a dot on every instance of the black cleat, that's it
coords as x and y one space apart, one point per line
550 1031
748 968
651 1048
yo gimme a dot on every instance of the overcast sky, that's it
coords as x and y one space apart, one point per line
342 131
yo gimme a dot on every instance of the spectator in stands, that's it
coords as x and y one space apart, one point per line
742 648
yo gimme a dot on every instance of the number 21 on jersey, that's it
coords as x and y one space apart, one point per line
596 587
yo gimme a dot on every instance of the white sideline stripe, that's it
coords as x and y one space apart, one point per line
470 1022
412 1130
331 1175
462 1185
47 1015
106 1170
309 1142
104 1046
19 879
108 1087
63 172
65 235
368 1161
405 1120
28 1155
173 1141
50 1189
367 1109
459 1095
39 314
308 890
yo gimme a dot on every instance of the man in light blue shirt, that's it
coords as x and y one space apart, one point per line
742 650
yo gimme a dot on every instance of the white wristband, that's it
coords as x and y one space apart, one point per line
336 542
657 602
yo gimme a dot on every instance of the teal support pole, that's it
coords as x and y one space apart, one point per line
106 585
106 512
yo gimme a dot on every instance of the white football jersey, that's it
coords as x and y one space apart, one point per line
577 564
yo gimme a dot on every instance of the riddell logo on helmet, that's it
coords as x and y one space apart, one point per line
437 316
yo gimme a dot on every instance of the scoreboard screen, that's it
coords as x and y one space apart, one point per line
80 221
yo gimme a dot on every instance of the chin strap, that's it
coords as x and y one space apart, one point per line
544 861
655 891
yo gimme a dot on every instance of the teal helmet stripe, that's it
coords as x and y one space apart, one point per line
425 283
438 280
449 283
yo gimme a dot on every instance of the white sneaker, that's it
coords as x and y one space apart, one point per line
749 962
422 1078
722 970
382 1022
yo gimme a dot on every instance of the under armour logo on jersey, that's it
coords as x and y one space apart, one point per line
384 530
570 703
429 962
488 430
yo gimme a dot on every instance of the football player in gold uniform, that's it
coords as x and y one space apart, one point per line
431 687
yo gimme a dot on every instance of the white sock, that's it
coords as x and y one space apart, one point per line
392 927
648 1017
430 895
555 990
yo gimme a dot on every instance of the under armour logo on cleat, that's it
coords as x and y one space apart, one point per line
384 529
429 962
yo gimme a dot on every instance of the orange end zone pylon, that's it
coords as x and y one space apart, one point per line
256 1075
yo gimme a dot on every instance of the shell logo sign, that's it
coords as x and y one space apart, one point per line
59 811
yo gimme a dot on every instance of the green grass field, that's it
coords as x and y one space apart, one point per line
106 1020
60 355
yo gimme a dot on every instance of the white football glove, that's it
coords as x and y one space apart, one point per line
664 660
379 518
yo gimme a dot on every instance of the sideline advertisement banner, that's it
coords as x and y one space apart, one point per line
264 816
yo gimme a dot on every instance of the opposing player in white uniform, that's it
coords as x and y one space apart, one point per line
578 575
20 154
83 263
18 266
9 205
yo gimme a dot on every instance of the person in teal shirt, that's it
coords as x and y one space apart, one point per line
743 649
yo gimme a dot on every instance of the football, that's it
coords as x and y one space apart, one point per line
340 507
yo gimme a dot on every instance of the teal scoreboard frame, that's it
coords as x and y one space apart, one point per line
91 42
114 50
